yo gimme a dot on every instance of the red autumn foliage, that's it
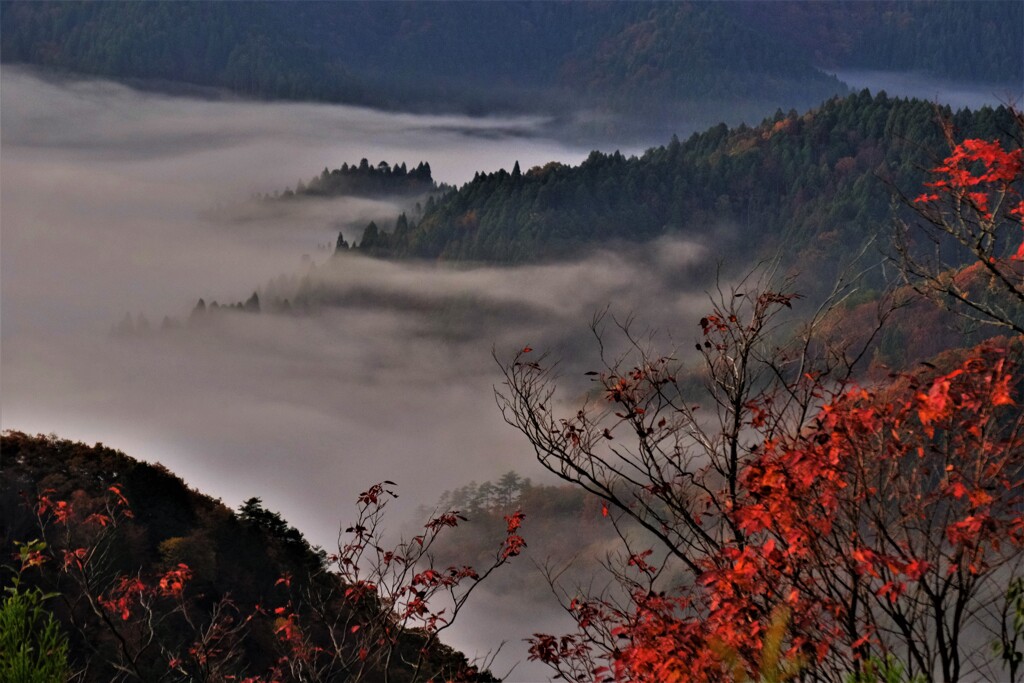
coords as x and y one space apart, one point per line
367 613
806 524
895 505
127 593
973 207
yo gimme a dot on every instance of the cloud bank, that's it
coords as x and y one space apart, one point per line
116 201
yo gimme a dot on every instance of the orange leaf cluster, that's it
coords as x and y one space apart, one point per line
979 175
808 514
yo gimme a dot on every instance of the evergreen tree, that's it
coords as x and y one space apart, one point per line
341 244
252 304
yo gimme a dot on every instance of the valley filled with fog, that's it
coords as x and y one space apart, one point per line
121 202
118 202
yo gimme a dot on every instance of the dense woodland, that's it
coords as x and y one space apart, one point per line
900 36
820 183
644 59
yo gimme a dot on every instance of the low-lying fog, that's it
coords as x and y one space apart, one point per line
107 196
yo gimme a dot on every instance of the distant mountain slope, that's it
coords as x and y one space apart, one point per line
236 560
815 185
970 41
631 56
444 55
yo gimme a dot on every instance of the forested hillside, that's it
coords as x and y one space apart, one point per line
647 59
937 38
153 580
404 54
818 184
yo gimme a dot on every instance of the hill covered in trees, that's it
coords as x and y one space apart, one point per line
820 183
923 37
663 60
152 580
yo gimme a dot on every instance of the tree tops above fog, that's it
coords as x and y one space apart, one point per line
819 183
811 189
628 56
367 180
